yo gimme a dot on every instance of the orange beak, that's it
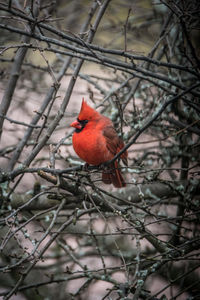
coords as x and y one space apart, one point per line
76 124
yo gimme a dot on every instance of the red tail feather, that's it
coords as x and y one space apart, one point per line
114 176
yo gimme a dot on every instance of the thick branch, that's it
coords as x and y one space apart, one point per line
151 192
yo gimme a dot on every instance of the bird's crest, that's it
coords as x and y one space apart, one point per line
87 112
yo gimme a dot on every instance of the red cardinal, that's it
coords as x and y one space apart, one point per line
96 141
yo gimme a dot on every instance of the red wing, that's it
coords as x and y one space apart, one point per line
114 143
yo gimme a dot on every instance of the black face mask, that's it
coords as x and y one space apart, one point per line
83 123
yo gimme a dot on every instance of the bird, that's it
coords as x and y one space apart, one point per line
96 141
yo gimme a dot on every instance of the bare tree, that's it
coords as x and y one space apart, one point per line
63 233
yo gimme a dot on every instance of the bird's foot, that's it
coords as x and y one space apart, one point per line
85 167
103 166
